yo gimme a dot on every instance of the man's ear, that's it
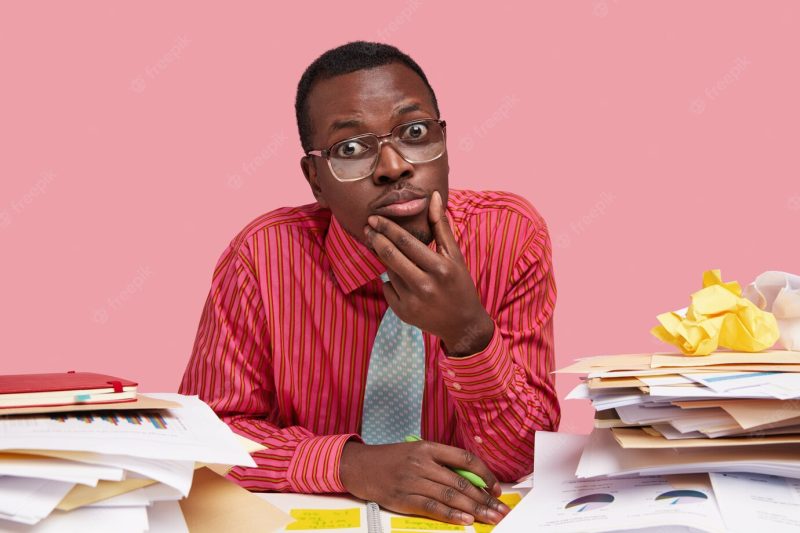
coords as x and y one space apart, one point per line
310 172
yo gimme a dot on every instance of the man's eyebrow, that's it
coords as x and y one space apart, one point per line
405 109
343 124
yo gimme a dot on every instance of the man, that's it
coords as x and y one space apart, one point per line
390 306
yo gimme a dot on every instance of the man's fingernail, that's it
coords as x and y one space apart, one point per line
503 508
372 221
467 518
494 516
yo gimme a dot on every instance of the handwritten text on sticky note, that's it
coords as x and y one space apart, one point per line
412 522
324 519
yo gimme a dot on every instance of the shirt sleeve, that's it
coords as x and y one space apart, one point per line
229 369
506 392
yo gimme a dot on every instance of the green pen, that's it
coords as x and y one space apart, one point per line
466 474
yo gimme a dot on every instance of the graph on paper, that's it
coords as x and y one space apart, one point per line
156 420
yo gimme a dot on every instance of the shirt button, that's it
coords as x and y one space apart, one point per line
457 386
478 440
451 373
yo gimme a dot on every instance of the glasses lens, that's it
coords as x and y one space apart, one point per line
420 142
353 159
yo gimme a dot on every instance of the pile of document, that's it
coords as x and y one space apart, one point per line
669 413
716 502
156 464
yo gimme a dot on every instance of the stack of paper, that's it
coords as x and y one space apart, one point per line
734 503
725 412
127 469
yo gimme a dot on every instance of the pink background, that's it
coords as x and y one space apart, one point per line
658 140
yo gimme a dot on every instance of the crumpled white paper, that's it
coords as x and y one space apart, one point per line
779 293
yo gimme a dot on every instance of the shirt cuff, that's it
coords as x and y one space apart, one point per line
314 468
481 375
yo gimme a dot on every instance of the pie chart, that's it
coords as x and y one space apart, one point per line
675 497
590 502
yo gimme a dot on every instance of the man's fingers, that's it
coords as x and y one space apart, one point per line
390 292
445 241
393 258
453 457
412 248
432 507
483 506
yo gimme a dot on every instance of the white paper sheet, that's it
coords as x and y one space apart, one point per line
603 456
782 385
191 433
753 502
647 414
58 470
166 517
560 502
86 520
28 500
144 496
779 293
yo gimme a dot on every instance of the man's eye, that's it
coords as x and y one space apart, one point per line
350 149
415 132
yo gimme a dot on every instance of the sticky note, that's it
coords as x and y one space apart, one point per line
324 519
424 524
511 499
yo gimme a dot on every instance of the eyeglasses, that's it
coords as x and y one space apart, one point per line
418 141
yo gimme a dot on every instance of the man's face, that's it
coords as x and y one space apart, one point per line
373 101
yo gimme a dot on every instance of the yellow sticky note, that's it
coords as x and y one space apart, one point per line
718 316
324 519
424 524
511 499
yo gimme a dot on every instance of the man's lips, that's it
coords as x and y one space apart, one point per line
404 209
403 203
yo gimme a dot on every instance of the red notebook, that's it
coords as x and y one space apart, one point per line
68 388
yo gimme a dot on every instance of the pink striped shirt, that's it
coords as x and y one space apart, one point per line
283 345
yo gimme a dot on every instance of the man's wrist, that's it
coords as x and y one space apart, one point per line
472 339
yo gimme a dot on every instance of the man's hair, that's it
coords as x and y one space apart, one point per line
350 57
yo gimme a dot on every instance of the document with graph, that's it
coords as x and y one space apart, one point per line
191 432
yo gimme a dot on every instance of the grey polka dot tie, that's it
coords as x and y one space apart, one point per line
395 382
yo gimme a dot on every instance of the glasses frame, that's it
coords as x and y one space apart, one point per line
385 138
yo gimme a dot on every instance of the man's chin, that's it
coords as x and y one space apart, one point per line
418 227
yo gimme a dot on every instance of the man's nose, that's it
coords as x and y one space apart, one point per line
391 166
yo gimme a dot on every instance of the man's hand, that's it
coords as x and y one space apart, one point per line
413 478
431 290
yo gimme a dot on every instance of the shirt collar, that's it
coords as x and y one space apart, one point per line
353 264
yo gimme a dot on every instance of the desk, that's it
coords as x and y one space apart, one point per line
288 501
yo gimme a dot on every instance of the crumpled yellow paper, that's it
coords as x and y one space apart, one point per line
718 316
